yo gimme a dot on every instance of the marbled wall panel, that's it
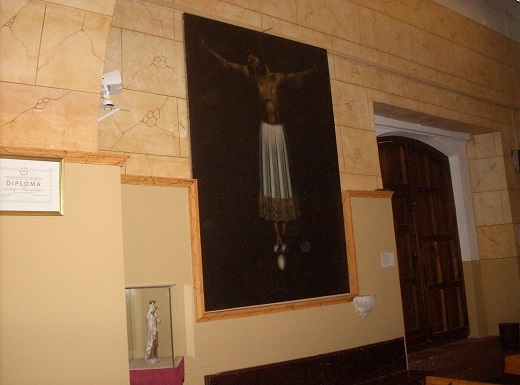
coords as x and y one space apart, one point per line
496 241
334 17
456 101
178 26
509 203
514 203
392 100
385 33
183 127
105 7
360 74
414 12
20 33
492 43
113 59
50 118
409 68
413 89
221 9
450 25
512 176
352 50
359 149
341 155
484 146
438 111
360 182
432 51
469 65
153 64
152 165
377 5
350 104
296 32
150 127
498 75
141 16
489 208
280 9
487 174
72 49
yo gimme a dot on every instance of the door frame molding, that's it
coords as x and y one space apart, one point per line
453 145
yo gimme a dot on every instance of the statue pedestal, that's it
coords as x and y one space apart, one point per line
157 374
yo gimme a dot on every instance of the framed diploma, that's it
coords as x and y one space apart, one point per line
31 186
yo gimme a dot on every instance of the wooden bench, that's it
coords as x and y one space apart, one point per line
452 381
375 364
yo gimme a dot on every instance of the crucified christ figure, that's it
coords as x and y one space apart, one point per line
277 203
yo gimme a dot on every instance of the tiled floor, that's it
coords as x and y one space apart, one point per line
475 359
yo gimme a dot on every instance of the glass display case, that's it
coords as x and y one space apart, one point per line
149 327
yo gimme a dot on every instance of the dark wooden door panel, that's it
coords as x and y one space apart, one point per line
430 265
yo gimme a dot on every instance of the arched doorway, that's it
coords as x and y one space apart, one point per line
425 223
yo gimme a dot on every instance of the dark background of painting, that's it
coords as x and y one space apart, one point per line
238 262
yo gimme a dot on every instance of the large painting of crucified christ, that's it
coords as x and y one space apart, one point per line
264 154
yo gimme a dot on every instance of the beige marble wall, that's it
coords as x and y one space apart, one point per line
416 55
495 200
145 44
52 60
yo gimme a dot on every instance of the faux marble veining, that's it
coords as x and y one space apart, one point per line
378 5
281 9
350 105
487 174
384 33
514 210
44 117
496 241
431 50
359 151
360 74
489 208
296 32
414 89
153 64
484 146
450 25
414 12
150 127
20 29
409 43
334 17
72 49
113 59
220 9
105 7
152 165
141 16
360 182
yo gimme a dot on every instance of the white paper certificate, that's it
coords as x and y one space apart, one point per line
31 186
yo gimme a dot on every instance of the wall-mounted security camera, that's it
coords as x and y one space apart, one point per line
110 84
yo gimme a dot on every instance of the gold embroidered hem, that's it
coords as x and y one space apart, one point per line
279 209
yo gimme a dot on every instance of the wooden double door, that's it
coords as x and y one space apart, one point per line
428 252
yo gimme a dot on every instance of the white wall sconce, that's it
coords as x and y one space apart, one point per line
364 304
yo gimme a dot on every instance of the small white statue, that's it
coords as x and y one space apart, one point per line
152 333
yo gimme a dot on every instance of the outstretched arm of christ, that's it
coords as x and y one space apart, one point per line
242 68
297 78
